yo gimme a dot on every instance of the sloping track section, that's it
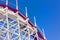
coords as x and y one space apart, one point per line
14 26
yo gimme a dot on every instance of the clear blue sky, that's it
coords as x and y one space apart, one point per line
47 14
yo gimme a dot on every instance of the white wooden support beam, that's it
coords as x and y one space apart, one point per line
28 32
18 19
7 20
44 34
36 28
26 15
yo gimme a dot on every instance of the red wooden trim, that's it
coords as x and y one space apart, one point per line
30 23
14 10
22 16
40 36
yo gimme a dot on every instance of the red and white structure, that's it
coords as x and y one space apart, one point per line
15 26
